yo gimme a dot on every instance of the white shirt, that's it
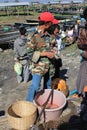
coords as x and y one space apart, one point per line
70 33
59 41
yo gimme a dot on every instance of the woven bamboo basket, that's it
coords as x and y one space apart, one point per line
21 115
23 108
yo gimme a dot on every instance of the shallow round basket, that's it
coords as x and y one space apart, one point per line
20 122
23 108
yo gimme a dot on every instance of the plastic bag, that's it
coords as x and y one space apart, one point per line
18 68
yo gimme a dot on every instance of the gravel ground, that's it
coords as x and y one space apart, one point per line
10 90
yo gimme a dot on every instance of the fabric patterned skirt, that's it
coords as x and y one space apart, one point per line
82 77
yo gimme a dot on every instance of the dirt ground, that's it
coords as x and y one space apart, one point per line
10 90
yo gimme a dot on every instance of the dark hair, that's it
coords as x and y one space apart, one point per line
71 27
85 13
52 28
42 22
22 30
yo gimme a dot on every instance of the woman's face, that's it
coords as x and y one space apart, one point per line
56 31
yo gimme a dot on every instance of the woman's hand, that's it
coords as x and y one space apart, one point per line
48 54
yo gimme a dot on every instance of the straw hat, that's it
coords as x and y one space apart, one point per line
78 21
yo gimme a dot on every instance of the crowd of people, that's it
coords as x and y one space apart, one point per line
39 53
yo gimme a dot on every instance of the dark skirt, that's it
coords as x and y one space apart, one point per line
82 77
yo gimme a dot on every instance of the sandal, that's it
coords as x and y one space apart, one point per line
76 95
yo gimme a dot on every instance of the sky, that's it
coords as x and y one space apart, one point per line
41 1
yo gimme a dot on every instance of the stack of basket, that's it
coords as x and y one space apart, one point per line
21 115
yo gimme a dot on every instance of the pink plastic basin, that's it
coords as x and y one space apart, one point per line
53 112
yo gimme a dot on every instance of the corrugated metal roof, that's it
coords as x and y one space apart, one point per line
14 4
75 1
66 1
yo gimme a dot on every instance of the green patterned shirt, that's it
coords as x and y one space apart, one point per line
37 43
